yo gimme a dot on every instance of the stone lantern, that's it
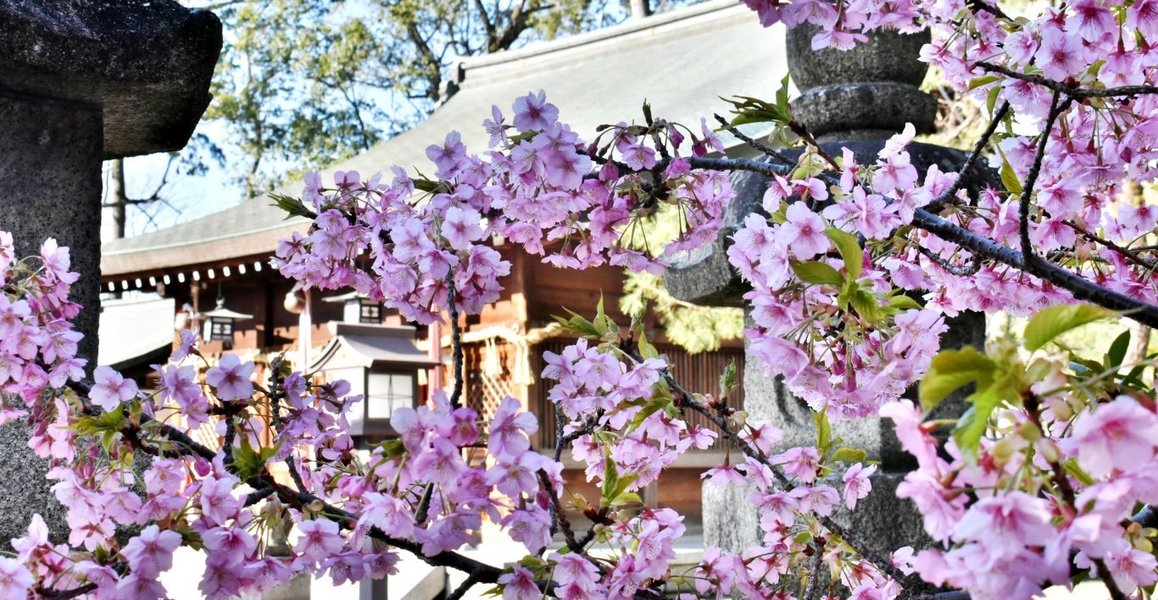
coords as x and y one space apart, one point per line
84 81
856 100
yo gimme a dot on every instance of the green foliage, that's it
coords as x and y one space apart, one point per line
305 83
695 328
249 461
952 369
996 379
814 271
1056 320
615 486
746 110
1001 376
850 251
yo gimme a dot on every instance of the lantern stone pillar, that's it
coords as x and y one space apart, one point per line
856 100
84 81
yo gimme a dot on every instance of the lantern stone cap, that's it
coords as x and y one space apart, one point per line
345 297
224 313
146 64
363 346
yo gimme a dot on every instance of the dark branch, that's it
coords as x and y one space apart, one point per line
983 247
1071 91
456 340
971 160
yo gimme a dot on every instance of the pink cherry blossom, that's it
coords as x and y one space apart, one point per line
857 484
110 388
230 378
804 232
151 552
1117 435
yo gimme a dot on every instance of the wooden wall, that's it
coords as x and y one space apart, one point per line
697 373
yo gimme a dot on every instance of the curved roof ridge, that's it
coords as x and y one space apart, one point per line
480 69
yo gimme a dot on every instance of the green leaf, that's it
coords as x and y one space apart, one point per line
728 378
850 455
817 273
1051 322
971 426
647 112
649 409
109 422
865 304
292 206
900 301
823 430
392 448
951 369
991 100
977 82
1118 349
250 462
753 110
429 186
1075 471
850 251
646 350
577 325
610 479
1009 177
626 498
782 98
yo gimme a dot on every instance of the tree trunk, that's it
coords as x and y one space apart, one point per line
118 201
1139 343
640 9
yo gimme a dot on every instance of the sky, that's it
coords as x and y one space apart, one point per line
188 197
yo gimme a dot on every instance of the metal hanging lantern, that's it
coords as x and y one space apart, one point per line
218 325
357 308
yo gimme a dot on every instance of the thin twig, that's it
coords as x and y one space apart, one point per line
455 340
559 520
460 591
959 270
1126 253
761 146
1031 178
971 160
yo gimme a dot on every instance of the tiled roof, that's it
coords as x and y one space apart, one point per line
679 61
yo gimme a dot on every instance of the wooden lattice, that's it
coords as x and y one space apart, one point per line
488 376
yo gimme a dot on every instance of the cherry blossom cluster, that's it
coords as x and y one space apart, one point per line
854 265
231 500
832 321
37 343
1073 89
408 249
1055 492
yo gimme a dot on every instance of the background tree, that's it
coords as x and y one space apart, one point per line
361 72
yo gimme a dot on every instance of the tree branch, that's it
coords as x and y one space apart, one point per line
1031 178
971 160
1071 91
983 247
